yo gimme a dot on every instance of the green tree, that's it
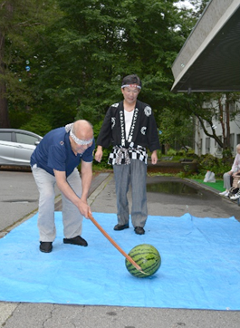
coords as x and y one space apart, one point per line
176 129
21 23
95 43
78 52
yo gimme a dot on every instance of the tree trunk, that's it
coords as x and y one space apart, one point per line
228 141
4 119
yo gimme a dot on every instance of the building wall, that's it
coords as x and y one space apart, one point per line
206 145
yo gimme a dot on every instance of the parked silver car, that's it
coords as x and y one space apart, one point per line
16 146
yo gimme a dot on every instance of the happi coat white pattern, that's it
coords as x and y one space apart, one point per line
143 133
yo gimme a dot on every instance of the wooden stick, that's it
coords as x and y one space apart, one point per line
114 243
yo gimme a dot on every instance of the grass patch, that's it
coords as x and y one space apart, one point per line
218 185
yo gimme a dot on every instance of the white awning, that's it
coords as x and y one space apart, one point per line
209 61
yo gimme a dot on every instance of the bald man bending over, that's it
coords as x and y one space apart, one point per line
55 161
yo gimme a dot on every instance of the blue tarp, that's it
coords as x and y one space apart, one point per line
200 265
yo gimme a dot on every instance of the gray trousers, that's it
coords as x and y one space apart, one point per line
227 181
133 174
72 218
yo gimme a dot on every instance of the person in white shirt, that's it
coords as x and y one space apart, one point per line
130 127
235 170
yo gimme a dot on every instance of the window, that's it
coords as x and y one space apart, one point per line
25 139
232 135
232 107
207 145
5 136
238 139
217 145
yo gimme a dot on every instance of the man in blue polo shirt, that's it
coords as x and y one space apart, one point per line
55 161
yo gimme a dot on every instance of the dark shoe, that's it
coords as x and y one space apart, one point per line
139 230
45 246
121 227
78 240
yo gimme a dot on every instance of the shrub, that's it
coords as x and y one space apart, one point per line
38 124
214 164
171 152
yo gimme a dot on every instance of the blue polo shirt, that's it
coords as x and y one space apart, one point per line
55 152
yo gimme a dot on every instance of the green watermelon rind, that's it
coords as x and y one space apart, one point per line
142 255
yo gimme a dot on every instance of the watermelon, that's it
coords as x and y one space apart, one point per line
147 257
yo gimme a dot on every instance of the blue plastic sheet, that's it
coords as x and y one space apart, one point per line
200 265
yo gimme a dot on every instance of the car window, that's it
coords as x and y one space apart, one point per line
25 138
6 136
